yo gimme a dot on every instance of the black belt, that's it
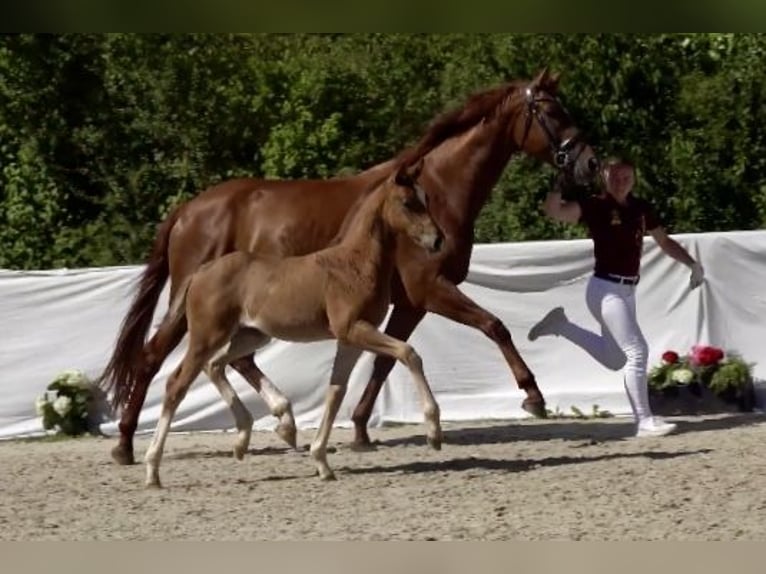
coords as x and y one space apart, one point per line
621 279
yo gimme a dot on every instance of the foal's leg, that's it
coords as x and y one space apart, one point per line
279 405
401 324
443 297
216 370
240 356
155 351
367 337
345 359
177 385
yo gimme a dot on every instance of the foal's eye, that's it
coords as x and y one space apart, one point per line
412 203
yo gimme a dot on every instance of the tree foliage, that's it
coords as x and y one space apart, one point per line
100 134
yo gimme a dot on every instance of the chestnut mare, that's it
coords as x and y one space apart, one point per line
467 150
235 304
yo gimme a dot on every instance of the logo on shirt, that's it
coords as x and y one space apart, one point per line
615 218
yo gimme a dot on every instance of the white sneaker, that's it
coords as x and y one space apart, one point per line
548 325
653 427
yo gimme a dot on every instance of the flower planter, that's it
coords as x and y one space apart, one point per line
706 381
696 399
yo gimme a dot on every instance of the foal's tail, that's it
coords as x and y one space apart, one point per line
126 365
177 310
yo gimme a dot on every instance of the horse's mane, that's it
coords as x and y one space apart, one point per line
479 105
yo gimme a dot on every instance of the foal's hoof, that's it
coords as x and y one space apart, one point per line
327 476
288 433
434 442
535 407
123 455
153 485
240 452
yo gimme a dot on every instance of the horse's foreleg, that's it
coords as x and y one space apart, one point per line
367 337
345 359
401 324
156 350
443 297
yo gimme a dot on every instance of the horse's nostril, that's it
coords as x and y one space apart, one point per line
438 243
593 164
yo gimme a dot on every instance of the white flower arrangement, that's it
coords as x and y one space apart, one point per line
682 376
62 405
69 411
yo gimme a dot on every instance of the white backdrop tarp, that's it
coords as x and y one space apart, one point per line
64 319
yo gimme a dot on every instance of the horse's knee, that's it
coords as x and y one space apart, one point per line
496 330
382 364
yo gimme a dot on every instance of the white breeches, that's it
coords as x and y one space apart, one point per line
621 342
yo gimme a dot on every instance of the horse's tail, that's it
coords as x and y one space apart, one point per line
127 362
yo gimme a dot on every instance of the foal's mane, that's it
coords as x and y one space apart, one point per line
479 106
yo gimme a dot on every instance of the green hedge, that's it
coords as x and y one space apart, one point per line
101 134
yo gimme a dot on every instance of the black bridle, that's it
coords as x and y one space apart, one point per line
564 152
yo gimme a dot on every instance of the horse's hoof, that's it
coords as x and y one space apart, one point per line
123 455
327 476
362 446
535 407
153 485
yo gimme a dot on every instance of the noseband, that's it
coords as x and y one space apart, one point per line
562 151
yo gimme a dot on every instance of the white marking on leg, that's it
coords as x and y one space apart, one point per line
431 409
333 400
154 452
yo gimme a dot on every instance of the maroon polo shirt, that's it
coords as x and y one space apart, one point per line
617 231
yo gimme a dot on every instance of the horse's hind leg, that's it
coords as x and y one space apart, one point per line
155 351
279 405
216 370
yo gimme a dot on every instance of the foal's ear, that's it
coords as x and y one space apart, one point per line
406 176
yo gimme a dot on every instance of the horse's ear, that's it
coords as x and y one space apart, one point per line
553 81
541 78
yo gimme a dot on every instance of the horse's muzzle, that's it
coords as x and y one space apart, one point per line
434 242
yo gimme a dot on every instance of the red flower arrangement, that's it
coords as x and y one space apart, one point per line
725 374
705 356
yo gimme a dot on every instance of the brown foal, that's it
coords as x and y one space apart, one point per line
237 303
